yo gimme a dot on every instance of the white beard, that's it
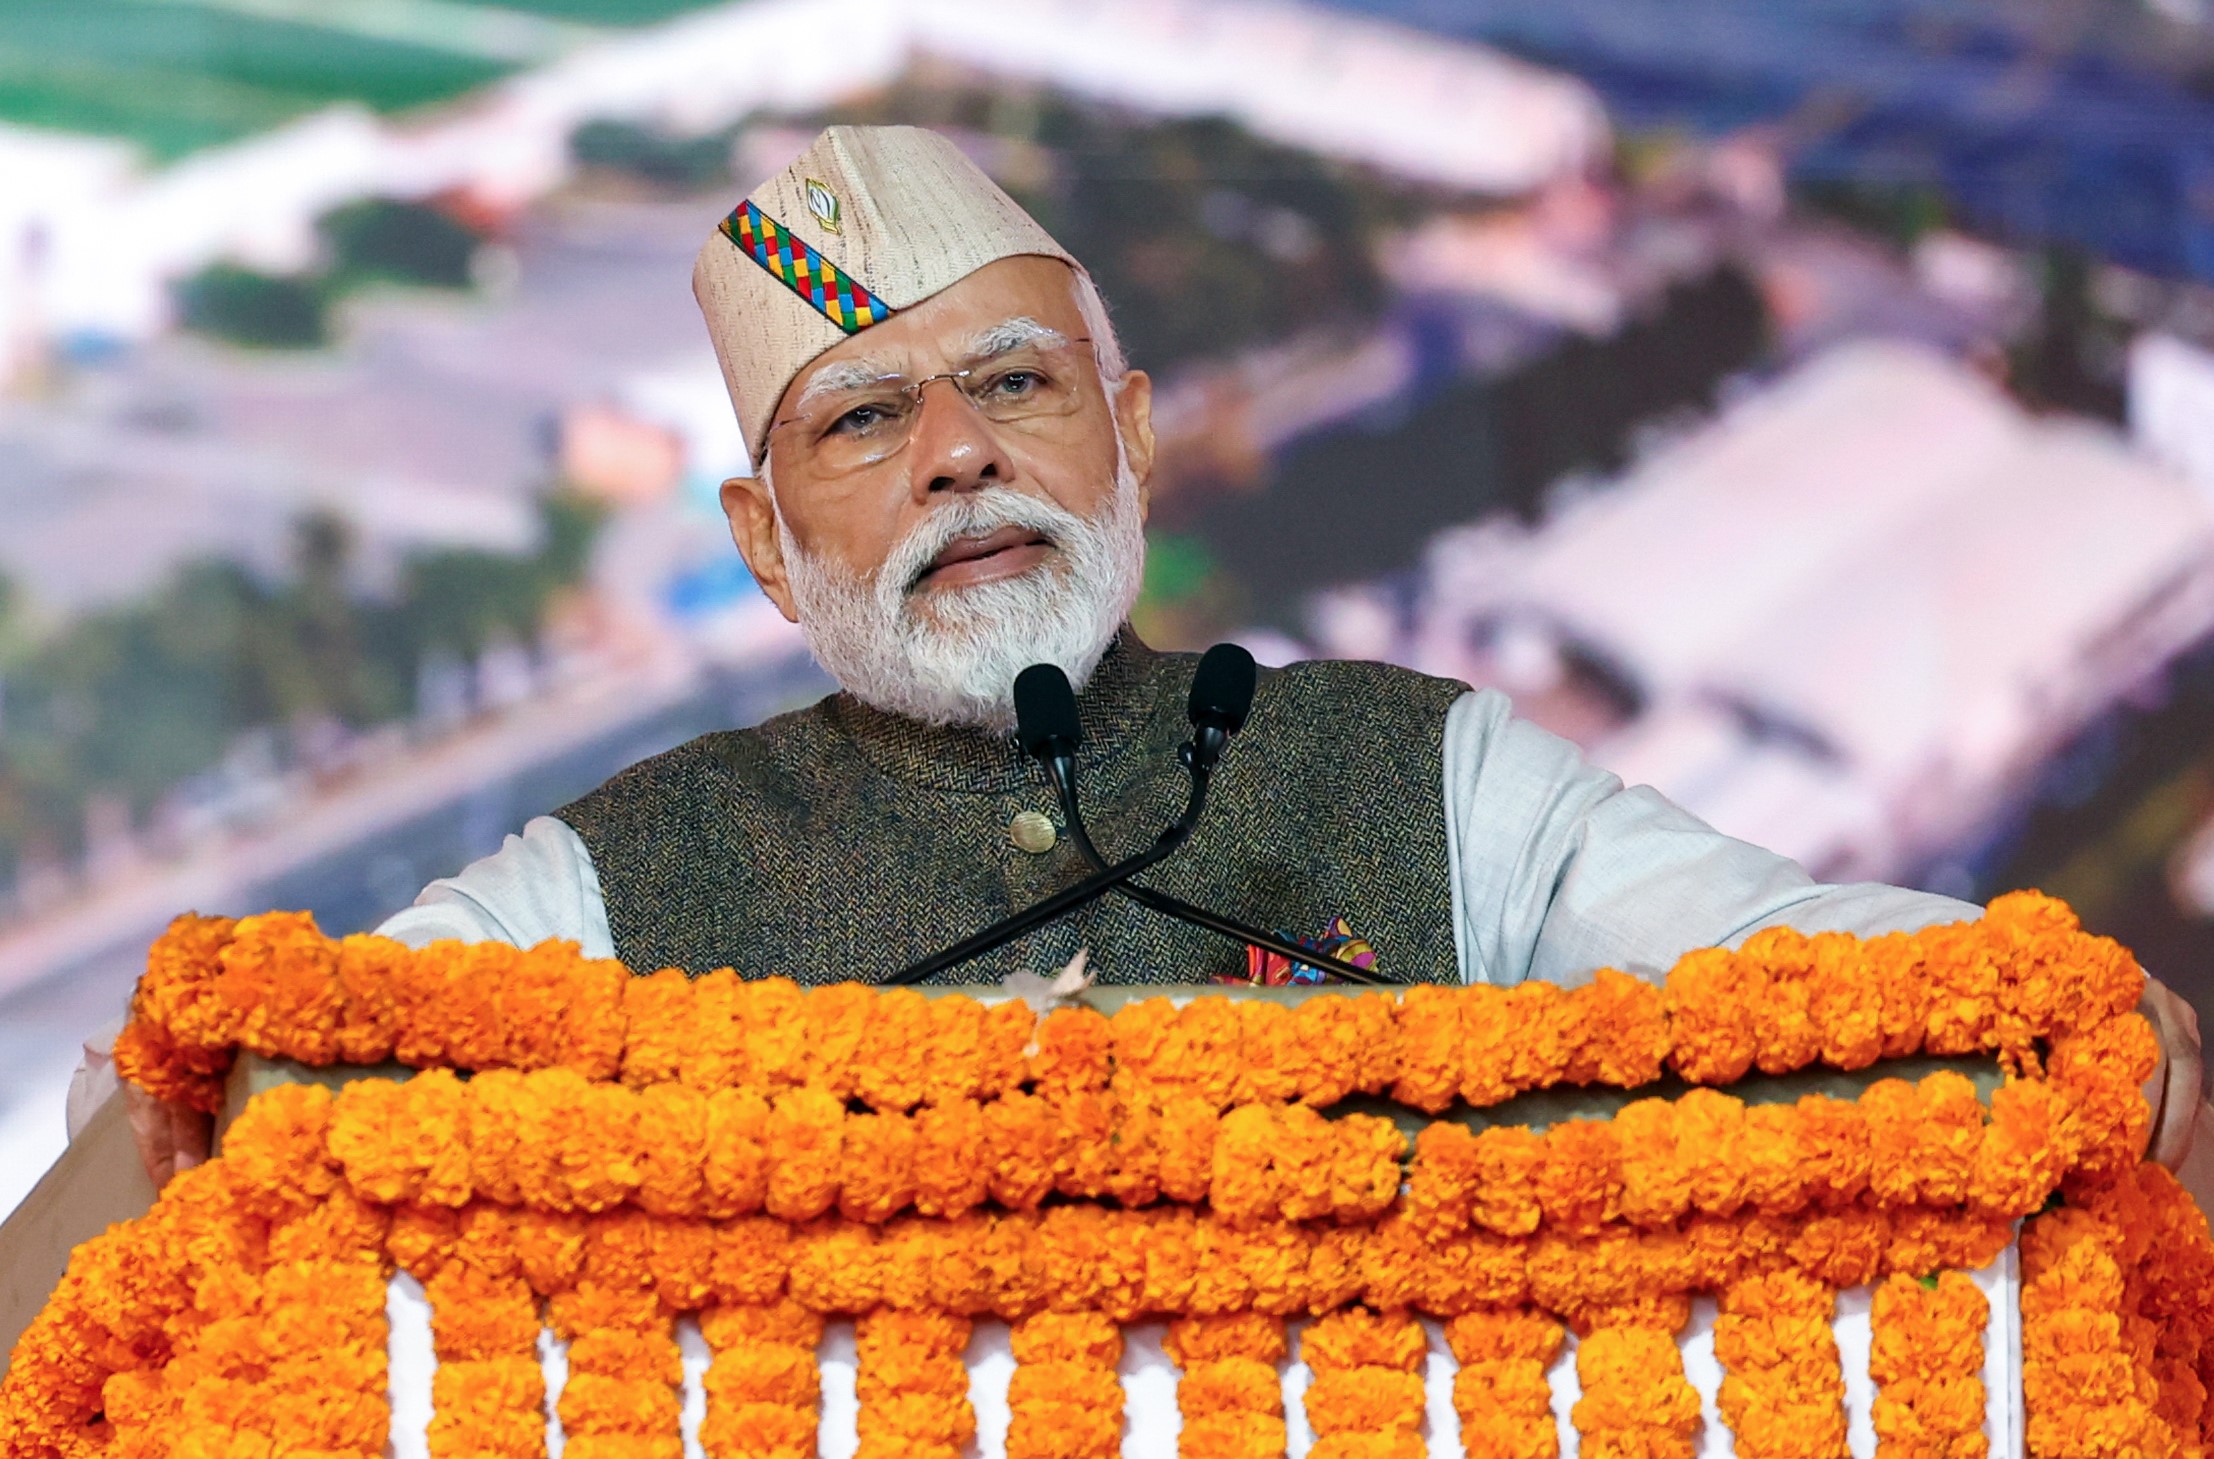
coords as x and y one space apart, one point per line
950 657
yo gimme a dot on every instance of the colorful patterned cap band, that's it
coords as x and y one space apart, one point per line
842 298
865 222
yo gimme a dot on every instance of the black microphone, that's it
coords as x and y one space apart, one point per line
1222 696
1046 725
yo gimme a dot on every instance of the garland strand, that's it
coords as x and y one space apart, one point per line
1500 1392
1065 1399
551 1140
764 1389
488 1392
1364 1398
620 1399
1230 1394
1636 1403
913 1385
1783 1385
1926 1355
2082 1391
275 986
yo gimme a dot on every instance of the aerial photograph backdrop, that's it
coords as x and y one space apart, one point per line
1804 406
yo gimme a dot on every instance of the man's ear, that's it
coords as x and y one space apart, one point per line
1133 405
753 527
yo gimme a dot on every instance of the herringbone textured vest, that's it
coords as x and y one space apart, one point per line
841 842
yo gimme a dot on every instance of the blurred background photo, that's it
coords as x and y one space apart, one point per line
1805 406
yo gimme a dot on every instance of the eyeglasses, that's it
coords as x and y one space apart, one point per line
852 427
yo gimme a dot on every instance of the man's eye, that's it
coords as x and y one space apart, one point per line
861 421
1017 384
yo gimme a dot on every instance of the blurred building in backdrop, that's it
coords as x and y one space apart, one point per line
1806 409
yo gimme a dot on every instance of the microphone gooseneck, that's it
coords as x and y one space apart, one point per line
1048 729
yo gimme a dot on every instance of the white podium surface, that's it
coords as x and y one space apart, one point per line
1150 1420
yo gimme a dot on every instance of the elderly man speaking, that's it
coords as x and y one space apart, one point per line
952 463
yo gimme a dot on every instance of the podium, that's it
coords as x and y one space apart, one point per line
613 1214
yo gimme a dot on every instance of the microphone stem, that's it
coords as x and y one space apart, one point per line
1090 889
1062 772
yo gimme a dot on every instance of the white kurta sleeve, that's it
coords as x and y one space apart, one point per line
538 885
1558 869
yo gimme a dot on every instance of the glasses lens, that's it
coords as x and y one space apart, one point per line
848 429
855 427
1028 383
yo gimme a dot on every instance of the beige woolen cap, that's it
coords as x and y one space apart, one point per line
867 221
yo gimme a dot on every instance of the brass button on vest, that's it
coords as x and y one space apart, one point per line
1032 831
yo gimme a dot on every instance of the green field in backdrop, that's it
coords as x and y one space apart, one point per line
173 76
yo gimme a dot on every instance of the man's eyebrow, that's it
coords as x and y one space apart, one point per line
845 375
1012 334
987 343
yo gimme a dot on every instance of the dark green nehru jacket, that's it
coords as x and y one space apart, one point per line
839 842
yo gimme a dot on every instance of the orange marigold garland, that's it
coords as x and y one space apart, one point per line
1636 1403
2171 1287
1501 1393
2023 973
488 1393
620 1400
764 1390
1065 1398
1926 1355
631 1148
913 1385
1229 1394
1364 1395
1783 1387
2086 1393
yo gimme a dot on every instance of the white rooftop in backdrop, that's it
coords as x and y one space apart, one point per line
1879 589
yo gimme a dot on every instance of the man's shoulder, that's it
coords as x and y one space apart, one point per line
718 763
1359 688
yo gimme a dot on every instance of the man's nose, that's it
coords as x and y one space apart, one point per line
953 447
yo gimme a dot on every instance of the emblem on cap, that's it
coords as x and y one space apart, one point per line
823 203
835 294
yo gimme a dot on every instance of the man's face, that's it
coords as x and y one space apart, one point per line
910 533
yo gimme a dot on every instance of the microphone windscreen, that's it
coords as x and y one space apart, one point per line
1222 688
1045 712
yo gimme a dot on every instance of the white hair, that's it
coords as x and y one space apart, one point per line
951 657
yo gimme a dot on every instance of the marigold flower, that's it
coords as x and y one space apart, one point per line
1084 1123
1429 1047
1072 1050
1579 1178
1618 1031
892 1070
836 1266
804 1139
715 1055
951 1172
1505 1198
877 1166
778 1039
1020 1145
671 1124
956 1051
658 1016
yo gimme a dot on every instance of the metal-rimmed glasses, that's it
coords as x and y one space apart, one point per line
857 425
